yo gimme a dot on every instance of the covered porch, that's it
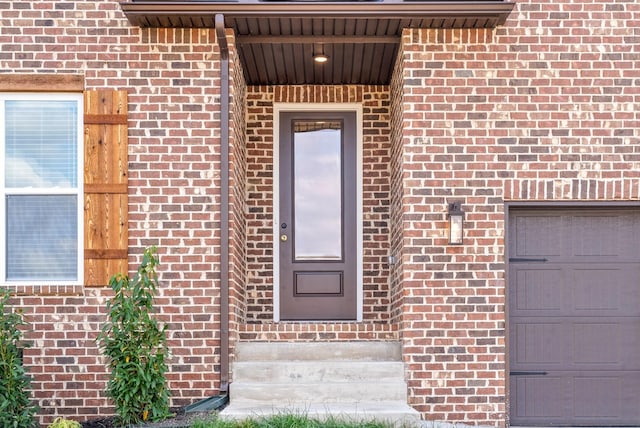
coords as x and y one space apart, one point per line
269 52
267 67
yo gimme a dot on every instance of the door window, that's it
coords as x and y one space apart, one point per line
317 189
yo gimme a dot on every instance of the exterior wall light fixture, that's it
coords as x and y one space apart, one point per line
456 223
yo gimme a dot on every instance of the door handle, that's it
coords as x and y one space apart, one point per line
283 238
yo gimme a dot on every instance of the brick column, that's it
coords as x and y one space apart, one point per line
451 297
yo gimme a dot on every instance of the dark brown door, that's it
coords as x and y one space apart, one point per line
318 216
574 317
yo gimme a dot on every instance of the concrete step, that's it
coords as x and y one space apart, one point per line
318 351
396 414
347 380
317 371
318 392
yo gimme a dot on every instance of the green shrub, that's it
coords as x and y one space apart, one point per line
64 423
135 347
16 410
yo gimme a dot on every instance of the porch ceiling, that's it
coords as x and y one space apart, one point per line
276 39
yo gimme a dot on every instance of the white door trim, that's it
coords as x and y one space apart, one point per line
295 107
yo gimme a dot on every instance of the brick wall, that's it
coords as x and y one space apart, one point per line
396 173
172 77
544 108
63 360
174 161
238 192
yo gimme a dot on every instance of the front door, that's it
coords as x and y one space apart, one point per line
317 230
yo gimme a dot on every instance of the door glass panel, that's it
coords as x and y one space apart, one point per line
317 189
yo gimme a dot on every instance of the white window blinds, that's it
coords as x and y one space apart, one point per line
41 148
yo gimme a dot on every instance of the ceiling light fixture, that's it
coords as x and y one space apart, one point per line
320 58
318 54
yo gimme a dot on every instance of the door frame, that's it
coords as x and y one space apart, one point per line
315 107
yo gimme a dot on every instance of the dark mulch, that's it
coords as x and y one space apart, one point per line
99 423
180 420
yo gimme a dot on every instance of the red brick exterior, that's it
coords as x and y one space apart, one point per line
544 108
237 195
172 77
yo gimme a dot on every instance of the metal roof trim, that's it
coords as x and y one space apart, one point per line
145 13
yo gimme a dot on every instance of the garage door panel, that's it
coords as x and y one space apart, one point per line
574 317
596 343
575 398
605 235
565 343
606 398
535 289
597 397
547 289
595 235
607 344
630 408
537 345
597 289
535 236
539 398
604 290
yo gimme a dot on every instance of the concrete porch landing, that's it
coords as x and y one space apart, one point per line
353 381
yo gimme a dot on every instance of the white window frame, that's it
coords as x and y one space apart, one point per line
78 191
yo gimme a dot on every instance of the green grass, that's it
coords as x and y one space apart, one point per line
286 421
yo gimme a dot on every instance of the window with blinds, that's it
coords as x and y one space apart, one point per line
40 209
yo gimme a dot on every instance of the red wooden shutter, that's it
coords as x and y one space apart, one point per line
105 186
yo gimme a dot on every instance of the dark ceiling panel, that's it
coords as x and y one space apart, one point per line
336 55
298 63
252 66
269 64
356 70
291 63
368 58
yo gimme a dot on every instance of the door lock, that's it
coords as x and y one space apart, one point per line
283 238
